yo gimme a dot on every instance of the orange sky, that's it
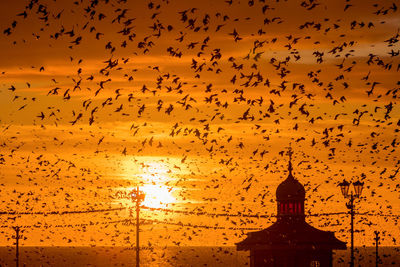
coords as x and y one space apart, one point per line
87 111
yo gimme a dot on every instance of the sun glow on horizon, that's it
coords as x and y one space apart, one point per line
157 196
152 177
155 175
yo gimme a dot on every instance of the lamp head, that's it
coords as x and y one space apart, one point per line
138 195
344 187
358 187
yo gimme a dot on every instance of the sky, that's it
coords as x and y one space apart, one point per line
197 102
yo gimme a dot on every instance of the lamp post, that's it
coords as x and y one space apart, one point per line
137 196
358 187
376 247
17 237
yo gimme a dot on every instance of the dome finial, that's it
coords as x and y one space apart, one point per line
290 153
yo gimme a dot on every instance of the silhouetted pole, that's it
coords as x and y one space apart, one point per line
358 186
137 231
138 197
351 207
376 248
17 237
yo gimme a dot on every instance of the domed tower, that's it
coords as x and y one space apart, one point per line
290 241
290 196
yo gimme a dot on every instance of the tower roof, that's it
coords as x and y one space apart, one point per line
291 188
288 235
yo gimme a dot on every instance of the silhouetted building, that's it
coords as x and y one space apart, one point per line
291 241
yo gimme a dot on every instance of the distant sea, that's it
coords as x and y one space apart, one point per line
170 256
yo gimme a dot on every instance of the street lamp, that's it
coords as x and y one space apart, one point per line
358 187
137 196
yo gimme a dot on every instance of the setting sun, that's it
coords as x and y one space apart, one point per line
157 196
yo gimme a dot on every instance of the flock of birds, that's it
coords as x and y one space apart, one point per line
214 91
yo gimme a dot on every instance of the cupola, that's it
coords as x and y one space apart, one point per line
290 196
